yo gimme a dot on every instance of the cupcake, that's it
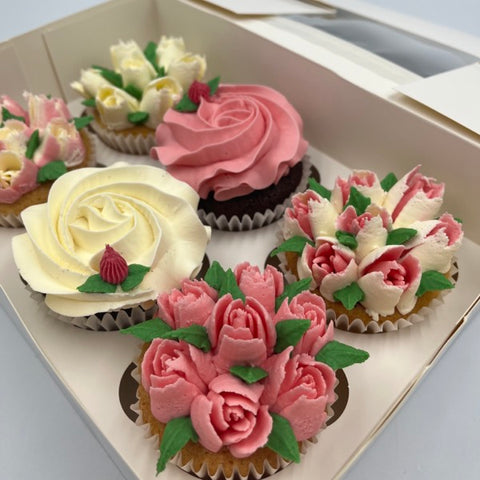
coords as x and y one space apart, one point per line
237 373
129 100
37 145
108 241
239 146
377 251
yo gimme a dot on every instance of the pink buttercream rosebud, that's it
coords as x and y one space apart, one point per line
240 333
113 267
42 110
307 305
18 175
299 213
231 415
197 91
173 374
192 304
262 286
299 389
389 279
331 266
13 107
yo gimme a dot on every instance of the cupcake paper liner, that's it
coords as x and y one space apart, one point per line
126 143
101 322
259 219
11 221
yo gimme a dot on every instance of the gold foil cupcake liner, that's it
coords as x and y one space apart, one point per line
259 219
134 144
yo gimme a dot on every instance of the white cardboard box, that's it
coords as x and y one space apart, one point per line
352 113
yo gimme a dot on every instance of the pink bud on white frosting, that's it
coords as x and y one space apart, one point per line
42 110
414 197
113 267
231 414
436 243
60 141
330 265
389 280
18 175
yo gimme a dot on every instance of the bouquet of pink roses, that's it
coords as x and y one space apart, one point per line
240 360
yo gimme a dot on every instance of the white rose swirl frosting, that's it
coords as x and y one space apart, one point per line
141 211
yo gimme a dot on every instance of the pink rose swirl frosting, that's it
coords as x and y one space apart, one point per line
244 138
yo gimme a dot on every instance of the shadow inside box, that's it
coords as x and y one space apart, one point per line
127 394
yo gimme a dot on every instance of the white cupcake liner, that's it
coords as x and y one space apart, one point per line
101 322
259 219
126 143
13 220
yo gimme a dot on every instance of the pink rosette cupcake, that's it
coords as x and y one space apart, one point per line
373 249
36 147
240 147
239 370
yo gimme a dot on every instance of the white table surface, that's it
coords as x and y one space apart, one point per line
435 435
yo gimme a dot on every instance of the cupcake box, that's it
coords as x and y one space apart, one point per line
371 127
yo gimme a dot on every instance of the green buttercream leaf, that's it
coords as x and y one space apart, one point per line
178 432
358 201
431 281
294 244
137 118
110 76
51 171
186 105
248 374
95 284
150 53
282 439
291 290
389 181
289 332
195 334
338 355
215 275
134 91
89 102
6 115
458 220
347 239
148 330
81 122
32 144
350 295
135 276
213 84
400 235
229 285
318 188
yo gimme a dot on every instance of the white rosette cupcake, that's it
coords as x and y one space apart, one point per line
108 241
129 101
37 146
246 376
374 250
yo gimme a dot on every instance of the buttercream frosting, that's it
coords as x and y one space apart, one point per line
353 238
141 211
243 138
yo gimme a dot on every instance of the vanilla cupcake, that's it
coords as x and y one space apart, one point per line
376 251
110 240
37 145
238 373
240 147
129 100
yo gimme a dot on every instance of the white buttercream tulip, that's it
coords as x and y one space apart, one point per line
90 82
170 49
158 96
113 105
14 136
187 69
322 218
